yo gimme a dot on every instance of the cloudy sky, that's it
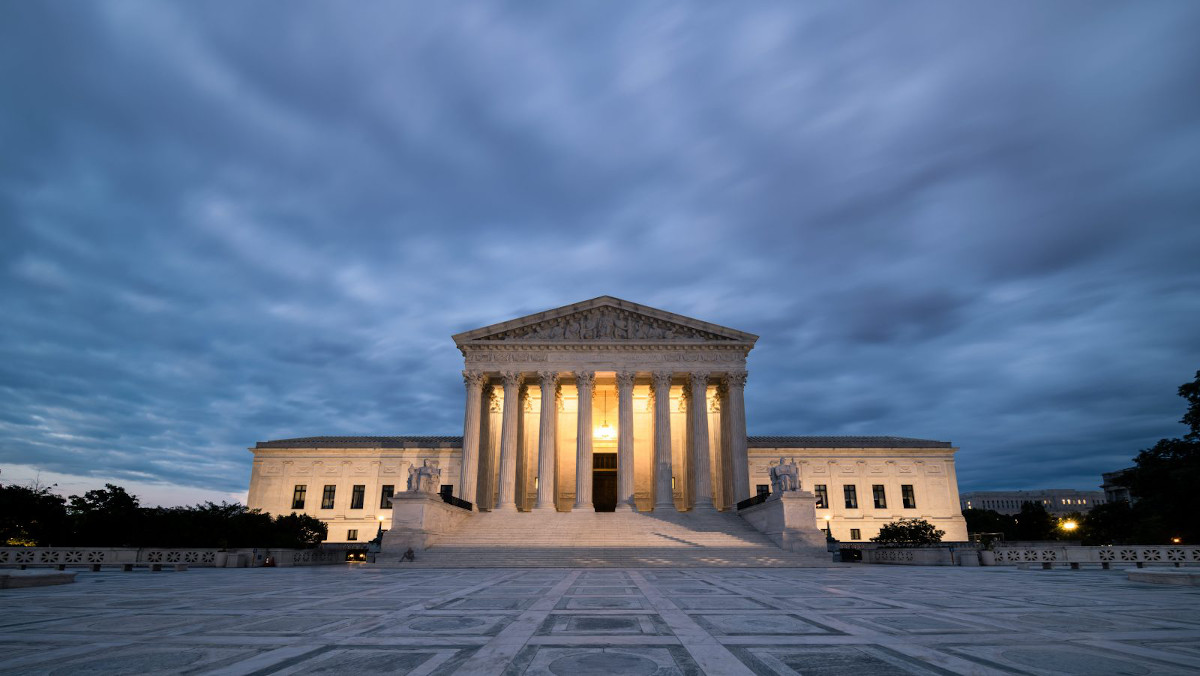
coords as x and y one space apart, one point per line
227 223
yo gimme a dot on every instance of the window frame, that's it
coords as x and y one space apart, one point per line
358 493
850 495
386 492
822 493
879 495
299 495
328 496
352 534
908 495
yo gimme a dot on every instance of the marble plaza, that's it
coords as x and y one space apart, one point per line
839 620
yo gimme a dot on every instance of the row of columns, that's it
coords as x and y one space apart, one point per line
695 391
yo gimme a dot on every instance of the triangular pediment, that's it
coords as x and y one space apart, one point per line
604 319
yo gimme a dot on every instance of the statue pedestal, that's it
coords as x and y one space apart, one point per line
418 520
789 520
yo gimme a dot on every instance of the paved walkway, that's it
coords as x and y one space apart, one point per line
851 620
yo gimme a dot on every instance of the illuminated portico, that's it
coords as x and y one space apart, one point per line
569 356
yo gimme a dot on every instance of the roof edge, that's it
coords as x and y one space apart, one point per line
601 301
856 441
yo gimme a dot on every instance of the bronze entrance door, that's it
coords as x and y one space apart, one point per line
604 482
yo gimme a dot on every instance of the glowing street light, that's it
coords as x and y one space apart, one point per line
1069 526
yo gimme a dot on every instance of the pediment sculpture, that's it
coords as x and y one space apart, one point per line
605 324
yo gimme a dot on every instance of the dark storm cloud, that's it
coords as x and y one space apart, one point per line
961 221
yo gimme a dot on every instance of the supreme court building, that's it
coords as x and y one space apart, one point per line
607 405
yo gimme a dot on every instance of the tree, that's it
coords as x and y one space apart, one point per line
1113 523
32 516
1165 477
107 516
1034 523
988 521
909 532
299 531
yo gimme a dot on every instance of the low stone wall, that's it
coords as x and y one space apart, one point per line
1179 578
148 556
1124 555
913 556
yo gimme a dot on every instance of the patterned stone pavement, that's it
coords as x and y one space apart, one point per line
848 620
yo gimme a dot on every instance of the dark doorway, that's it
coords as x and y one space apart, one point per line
604 482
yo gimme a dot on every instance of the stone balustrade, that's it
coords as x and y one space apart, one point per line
1045 556
1136 555
157 556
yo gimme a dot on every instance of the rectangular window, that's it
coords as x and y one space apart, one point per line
910 498
385 496
352 534
851 494
356 496
822 496
447 489
855 534
327 497
762 489
881 497
298 496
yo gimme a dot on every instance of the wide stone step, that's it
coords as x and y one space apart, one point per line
605 540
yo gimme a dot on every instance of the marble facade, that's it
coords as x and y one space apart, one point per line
605 405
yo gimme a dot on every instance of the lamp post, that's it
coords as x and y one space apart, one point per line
379 533
828 528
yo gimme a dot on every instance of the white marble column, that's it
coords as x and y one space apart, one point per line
663 494
725 488
736 410
625 441
469 469
508 443
546 498
485 492
702 476
522 478
585 382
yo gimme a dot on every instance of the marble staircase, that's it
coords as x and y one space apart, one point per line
603 540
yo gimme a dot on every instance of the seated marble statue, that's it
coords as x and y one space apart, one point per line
785 477
424 479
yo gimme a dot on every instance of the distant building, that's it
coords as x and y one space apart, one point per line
1056 500
1113 490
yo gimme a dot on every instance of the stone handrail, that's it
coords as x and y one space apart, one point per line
198 557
